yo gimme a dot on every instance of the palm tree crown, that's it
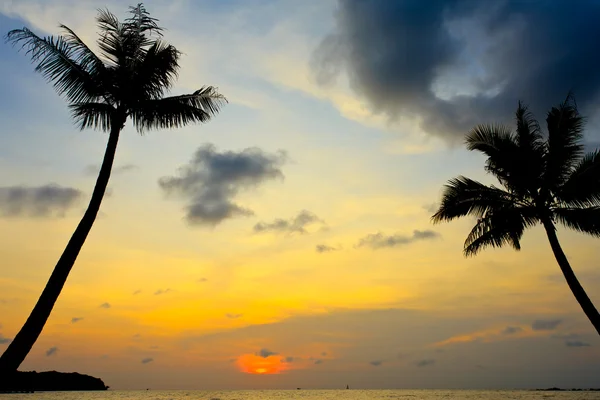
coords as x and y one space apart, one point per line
129 78
542 178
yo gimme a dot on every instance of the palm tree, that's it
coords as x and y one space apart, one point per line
128 78
545 179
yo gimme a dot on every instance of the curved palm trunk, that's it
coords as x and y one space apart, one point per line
578 291
25 339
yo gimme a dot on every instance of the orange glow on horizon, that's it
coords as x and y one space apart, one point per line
253 364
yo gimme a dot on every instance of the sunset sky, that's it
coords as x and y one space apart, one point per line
287 243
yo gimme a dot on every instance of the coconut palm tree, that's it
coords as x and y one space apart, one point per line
544 179
128 78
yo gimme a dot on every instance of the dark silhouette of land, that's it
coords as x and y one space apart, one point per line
33 381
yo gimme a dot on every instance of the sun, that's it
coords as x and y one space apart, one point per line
253 364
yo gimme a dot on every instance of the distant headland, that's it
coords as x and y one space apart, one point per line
569 390
32 381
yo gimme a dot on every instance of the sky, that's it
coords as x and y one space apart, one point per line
287 243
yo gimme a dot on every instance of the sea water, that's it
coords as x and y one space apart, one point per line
352 394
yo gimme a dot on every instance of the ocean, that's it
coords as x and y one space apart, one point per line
307 395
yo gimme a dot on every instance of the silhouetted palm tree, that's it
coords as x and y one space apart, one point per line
545 180
129 78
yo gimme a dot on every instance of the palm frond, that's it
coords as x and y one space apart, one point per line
500 227
515 167
157 72
59 62
529 134
582 189
110 41
565 146
177 111
93 115
141 22
463 196
586 220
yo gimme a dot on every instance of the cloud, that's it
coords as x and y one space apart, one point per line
4 340
289 359
323 248
41 201
147 360
576 343
264 353
105 305
297 224
425 363
318 361
137 336
430 208
234 316
202 280
510 330
545 325
137 292
51 351
379 240
453 64
161 291
376 363
94 169
76 319
212 180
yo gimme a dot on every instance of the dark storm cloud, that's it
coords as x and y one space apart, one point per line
211 181
510 330
51 351
234 316
379 240
76 319
576 343
295 224
4 340
105 305
264 353
147 360
545 325
41 201
376 363
323 248
397 53
425 363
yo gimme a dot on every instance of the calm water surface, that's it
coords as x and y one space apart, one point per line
306 395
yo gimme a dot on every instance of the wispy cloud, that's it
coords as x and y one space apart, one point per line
296 224
545 325
42 201
264 353
76 319
323 248
425 363
376 363
510 330
4 340
234 316
380 241
162 291
147 360
94 169
105 305
576 343
212 180
51 351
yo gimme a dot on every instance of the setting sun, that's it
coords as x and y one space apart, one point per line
253 364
